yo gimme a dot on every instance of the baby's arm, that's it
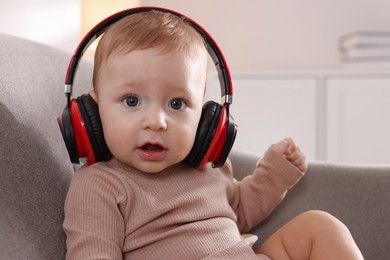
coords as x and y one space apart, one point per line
93 223
258 194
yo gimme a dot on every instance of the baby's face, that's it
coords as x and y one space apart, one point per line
150 105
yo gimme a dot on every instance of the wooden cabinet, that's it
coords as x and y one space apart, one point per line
268 108
358 118
338 117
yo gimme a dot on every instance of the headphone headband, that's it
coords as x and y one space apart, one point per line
212 48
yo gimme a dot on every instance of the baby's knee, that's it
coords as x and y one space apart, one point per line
318 216
321 221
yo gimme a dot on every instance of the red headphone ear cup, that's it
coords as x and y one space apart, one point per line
230 137
208 123
90 113
223 139
65 124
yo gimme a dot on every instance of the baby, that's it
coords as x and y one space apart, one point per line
145 203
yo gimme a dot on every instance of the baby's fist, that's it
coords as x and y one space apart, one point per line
288 149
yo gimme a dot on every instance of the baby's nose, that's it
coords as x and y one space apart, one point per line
156 121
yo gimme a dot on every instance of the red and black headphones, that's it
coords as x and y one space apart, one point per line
80 122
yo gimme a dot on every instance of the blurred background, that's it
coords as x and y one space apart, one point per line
315 70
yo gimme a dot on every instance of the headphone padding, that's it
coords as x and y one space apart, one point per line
206 129
90 112
65 124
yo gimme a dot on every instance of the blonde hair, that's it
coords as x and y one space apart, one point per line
148 30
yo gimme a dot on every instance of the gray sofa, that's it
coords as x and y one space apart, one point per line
35 170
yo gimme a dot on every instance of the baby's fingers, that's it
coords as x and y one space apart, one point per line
281 147
298 159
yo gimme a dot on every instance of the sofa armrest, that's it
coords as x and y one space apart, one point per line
357 195
35 169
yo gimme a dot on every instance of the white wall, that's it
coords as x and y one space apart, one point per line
254 35
275 34
53 22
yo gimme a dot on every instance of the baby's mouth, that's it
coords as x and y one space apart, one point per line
152 147
152 152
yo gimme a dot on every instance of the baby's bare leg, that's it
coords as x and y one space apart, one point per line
311 235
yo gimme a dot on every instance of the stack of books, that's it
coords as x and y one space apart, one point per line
365 49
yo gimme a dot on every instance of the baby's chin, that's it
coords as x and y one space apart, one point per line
152 167
158 170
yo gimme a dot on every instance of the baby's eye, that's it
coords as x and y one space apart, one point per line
177 103
131 101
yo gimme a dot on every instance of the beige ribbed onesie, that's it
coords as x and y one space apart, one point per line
114 211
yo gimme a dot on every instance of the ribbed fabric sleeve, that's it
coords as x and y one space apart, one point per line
94 224
258 194
113 211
